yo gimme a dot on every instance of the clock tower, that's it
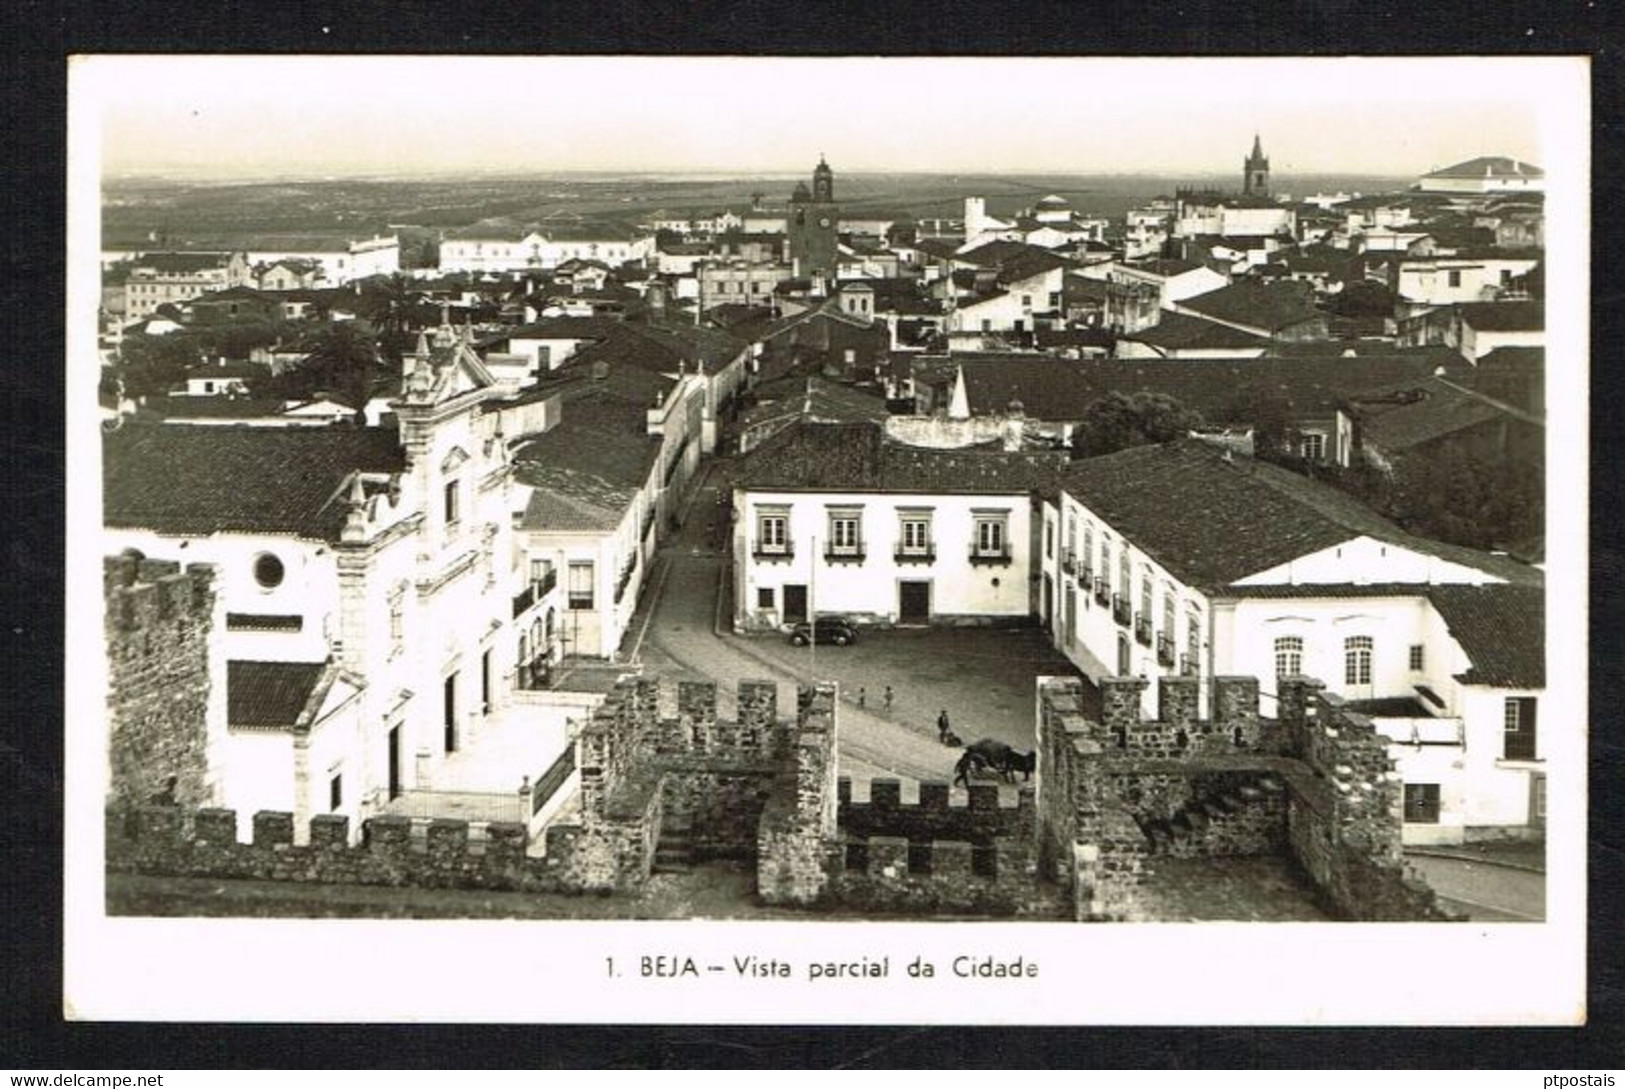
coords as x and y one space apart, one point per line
813 224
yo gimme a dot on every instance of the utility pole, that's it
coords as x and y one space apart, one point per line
812 610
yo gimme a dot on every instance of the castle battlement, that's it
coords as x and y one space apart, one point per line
1316 782
145 594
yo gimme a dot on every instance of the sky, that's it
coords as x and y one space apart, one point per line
245 116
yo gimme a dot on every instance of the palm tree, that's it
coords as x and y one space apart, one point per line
343 359
387 304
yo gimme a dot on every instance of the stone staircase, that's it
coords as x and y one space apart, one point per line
674 853
1179 834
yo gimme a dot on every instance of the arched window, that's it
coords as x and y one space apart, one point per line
1288 656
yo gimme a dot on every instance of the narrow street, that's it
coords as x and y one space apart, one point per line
1483 890
982 677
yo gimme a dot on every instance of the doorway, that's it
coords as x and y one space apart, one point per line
913 602
394 763
450 703
795 604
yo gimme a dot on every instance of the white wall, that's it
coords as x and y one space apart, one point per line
309 588
1092 642
870 589
1362 560
1477 343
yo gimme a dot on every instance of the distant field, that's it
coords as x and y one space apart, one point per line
254 213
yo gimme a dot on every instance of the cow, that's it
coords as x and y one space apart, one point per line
996 757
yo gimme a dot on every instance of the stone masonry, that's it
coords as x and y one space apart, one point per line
1315 784
756 788
159 625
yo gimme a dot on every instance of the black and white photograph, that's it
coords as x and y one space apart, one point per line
1096 517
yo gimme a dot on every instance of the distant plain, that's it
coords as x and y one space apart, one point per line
269 213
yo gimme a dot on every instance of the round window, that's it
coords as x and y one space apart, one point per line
268 571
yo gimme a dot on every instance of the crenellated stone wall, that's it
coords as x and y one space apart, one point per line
939 855
1316 784
754 788
163 701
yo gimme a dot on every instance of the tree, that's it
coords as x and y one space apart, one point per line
1118 421
387 304
1454 495
153 365
1364 299
342 360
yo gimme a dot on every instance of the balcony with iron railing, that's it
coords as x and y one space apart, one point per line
927 554
1103 596
1122 611
533 593
1165 650
1142 630
1069 562
990 557
1189 665
843 554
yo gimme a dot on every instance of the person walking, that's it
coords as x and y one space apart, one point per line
942 726
863 697
888 699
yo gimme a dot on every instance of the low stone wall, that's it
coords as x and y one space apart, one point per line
891 875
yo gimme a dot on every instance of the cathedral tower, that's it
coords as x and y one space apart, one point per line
1255 172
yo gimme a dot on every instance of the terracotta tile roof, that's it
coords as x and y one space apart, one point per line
1210 520
1489 166
1248 302
589 467
1504 317
197 480
1439 408
825 402
1184 332
1164 266
269 694
1502 629
175 263
1001 252
855 457
209 408
939 247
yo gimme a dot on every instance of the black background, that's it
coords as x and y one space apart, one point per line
38 39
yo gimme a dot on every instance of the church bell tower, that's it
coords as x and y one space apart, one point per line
1255 172
814 224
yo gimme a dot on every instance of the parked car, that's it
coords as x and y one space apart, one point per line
830 629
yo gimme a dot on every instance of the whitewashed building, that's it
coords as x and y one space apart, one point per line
835 519
371 582
1185 559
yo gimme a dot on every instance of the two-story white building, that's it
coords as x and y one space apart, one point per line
1186 559
156 279
836 519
